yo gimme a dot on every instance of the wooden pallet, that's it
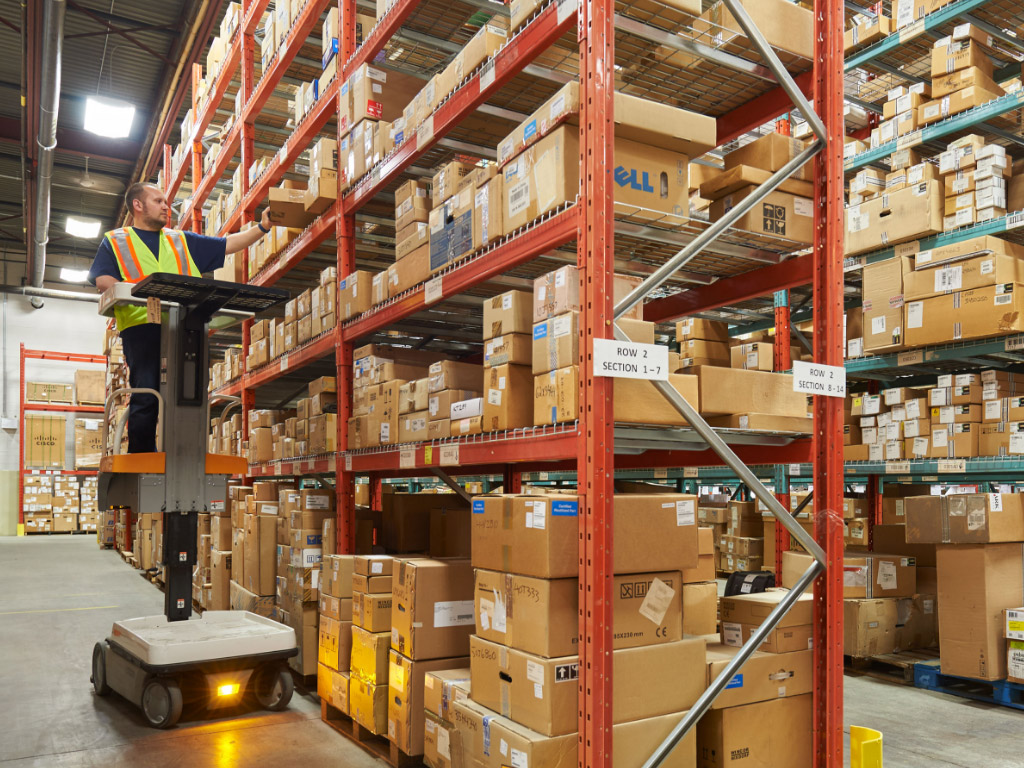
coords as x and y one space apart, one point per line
375 745
891 667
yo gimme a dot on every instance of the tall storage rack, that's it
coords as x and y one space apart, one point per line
27 407
743 95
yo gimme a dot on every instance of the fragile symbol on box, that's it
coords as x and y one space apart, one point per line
565 673
774 219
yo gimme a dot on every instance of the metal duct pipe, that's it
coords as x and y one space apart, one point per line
49 101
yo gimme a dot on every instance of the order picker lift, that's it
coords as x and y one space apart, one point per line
161 662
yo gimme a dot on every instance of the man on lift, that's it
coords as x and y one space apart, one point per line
131 253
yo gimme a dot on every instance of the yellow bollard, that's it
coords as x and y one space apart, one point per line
865 747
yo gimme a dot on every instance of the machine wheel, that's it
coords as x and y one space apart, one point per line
99 670
161 703
273 687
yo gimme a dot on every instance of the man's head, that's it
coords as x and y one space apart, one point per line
148 206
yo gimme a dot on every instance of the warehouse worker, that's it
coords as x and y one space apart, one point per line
130 254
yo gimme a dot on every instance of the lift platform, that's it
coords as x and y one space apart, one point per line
161 662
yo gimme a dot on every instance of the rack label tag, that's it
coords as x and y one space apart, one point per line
433 290
487 75
630 360
952 465
449 455
690 472
819 379
897 467
565 9
912 357
407 458
425 133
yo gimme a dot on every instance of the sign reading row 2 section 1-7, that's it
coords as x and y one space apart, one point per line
818 379
630 360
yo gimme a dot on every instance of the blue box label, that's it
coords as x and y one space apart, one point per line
478 506
565 508
530 130
736 682
540 331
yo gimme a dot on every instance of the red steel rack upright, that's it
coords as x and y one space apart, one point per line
24 406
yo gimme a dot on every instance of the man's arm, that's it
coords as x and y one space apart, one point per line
104 282
241 240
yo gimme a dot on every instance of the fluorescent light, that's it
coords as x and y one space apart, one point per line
73 275
85 228
108 117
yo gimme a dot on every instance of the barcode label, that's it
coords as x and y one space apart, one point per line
487 75
519 198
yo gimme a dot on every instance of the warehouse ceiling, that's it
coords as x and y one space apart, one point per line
123 49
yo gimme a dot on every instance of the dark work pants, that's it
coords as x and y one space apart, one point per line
142 352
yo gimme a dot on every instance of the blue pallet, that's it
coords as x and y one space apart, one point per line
929 676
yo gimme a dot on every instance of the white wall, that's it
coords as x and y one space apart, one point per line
60 326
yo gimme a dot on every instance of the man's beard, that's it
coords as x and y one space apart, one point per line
155 222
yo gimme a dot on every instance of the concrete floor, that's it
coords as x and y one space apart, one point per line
61 593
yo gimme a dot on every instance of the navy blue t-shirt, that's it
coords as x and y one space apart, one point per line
207 253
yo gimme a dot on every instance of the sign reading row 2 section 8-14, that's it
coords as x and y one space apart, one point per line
817 379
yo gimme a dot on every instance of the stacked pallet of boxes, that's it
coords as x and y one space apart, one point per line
219 597
335 634
441 689
106 529
65 503
370 642
523 655
37 500
980 570
743 545
713 513
301 584
88 515
766 711
228 369
254 522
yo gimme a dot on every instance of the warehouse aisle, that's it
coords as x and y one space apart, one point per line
60 595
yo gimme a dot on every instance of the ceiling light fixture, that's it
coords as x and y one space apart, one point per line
84 228
73 275
108 117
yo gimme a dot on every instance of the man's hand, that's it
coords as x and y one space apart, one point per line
265 219
103 282
242 240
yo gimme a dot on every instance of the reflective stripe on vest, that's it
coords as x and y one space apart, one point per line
177 242
127 259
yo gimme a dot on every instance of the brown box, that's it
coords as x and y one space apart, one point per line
260 554
653 532
511 312
508 398
354 294
780 214
972 518
700 608
772 732
370 655
558 292
955 103
725 391
907 214
977 583
882 298
488 221
877 575
968 274
372 612
963 78
448 374
406 720
442 688
979 313
540 693
432 612
761 675
335 643
541 616
698 328
368 705
950 55
90 387
769 152
512 348
44 441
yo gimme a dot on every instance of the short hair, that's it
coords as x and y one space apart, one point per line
136 192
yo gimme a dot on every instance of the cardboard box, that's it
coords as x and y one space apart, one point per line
772 151
979 313
542 539
513 348
442 688
90 387
546 175
725 391
541 616
698 328
371 611
907 214
760 676
432 612
46 392
448 374
700 608
488 221
883 304
510 312
967 77
969 274
977 583
507 402
772 732
974 518
335 643
370 656
955 103
558 292
368 705
780 214
540 693
406 699
869 627
877 575
44 440
950 55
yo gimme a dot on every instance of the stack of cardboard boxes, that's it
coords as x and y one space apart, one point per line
743 545
37 503
106 529
226 370
335 637
524 653
65 503
508 357
441 689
